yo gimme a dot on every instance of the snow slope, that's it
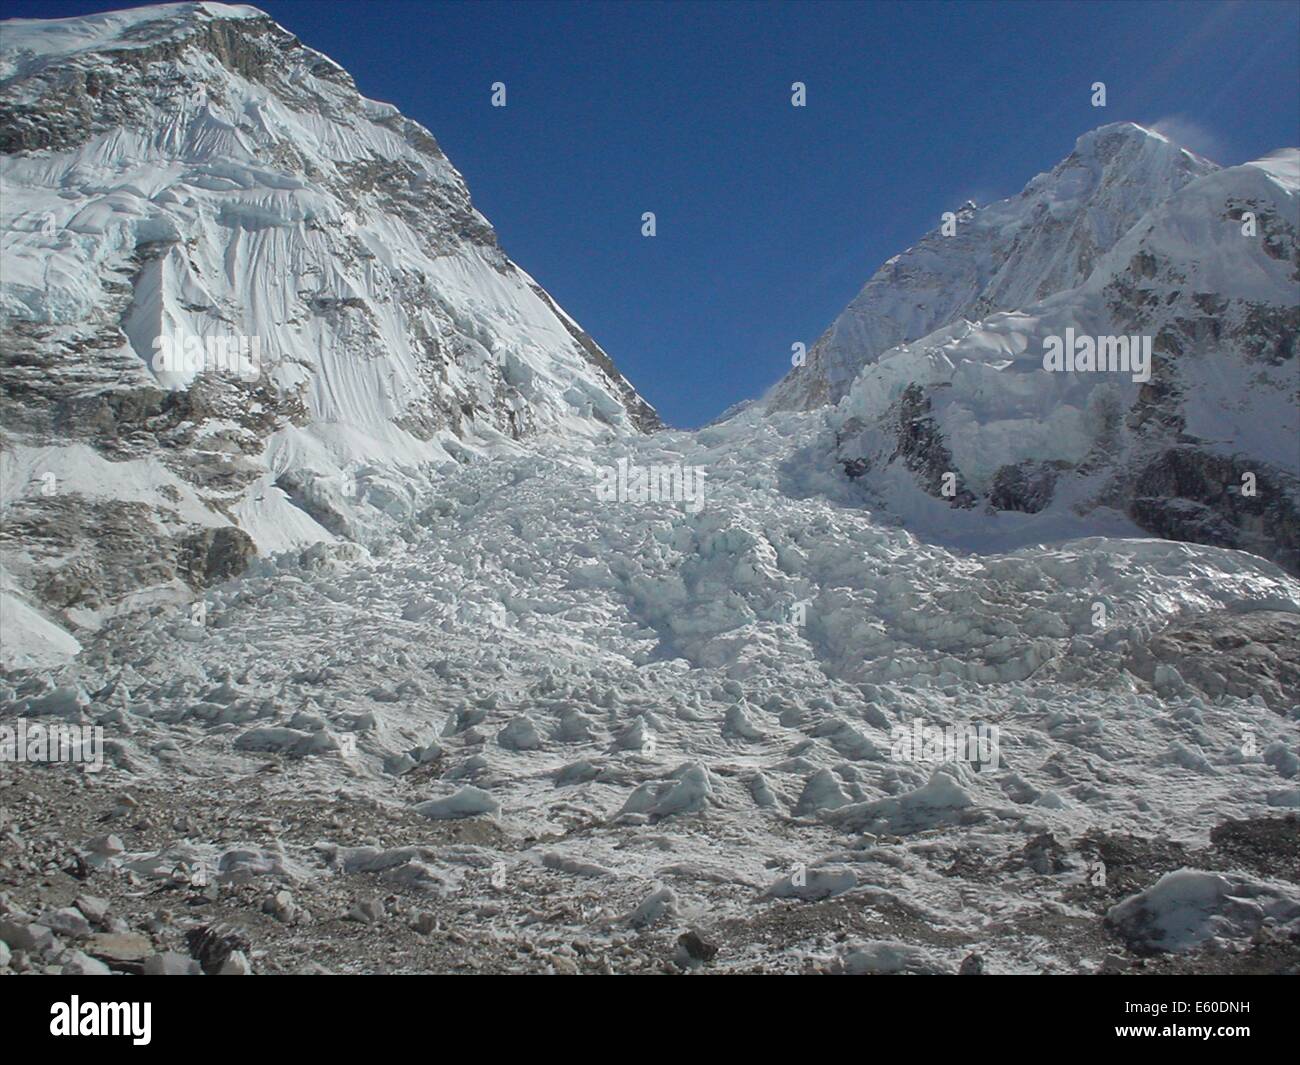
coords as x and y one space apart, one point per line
192 170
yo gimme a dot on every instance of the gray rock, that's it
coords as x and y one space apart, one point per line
1026 487
236 965
30 937
1192 495
367 912
79 964
108 846
213 945
171 963
282 907
1225 652
214 555
67 922
121 950
697 946
94 908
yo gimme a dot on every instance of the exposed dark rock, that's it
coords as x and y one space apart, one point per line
1045 856
1269 846
912 437
211 945
1256 653
1025 487
214 555
922 448
1197 496
697 946
1126 864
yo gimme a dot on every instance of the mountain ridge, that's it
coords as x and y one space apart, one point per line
1016 250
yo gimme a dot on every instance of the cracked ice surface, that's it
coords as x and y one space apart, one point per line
627 690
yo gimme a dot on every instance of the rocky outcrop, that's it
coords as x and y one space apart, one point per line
1224 653
1200 497
214 555
1025 486
908 435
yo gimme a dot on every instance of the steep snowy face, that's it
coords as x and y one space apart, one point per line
1184 420
243 307
195 170
1000 257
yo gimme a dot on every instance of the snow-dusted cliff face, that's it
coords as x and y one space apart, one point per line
1129 238
193 175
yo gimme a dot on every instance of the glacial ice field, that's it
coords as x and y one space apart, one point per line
678 713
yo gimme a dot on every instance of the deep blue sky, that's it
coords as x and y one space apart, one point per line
770 218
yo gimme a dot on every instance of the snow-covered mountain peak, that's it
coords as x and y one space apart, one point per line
1197 443
212 126
1043 240
133 27
239 293
1103 142
1283 166
1111 170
